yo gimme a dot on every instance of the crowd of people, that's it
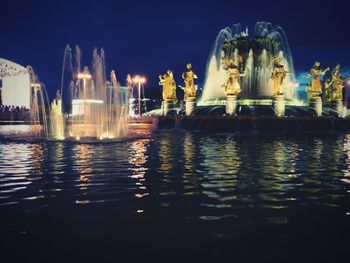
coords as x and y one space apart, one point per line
11 112
13 109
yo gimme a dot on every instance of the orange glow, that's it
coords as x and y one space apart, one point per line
84 76
35 85
139 79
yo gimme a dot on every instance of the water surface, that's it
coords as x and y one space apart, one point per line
177 196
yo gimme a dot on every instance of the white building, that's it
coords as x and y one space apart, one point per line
14 84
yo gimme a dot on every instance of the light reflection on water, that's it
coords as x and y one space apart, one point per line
20 167
137 159
186 175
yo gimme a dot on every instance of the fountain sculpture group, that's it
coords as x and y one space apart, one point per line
258 67
241 69
231 87
333 88
169 90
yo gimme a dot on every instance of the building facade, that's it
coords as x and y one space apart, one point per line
15 89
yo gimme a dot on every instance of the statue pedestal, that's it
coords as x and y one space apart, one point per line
316 104
231 104
190 105
182 105
167 106
279 105
337 105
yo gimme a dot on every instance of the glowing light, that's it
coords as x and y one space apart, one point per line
106 135
139 79
84 76
36 86
87 101
140 196
82 202
255 102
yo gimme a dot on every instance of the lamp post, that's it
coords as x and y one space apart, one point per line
84 76
139 80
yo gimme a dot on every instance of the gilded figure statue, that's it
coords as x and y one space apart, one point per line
328 90
190 89
278 75
315 85
232 87
169 86
337 84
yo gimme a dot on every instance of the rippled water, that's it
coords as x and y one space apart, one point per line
177 196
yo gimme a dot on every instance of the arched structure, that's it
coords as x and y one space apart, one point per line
14 84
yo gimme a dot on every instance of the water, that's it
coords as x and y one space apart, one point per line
256 63
177 196
86 105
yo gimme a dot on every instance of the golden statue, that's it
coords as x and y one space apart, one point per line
190 89
278 75
337 84
328 90
169 86
232 87
315 86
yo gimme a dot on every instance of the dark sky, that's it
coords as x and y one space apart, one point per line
149 37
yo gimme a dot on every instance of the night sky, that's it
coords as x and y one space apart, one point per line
148 37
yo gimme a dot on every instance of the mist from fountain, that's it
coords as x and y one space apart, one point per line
39 105
88 106
257 64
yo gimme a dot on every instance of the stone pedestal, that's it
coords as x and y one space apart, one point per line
182 105
337 105
190 105
279 105
167 106
231 105
316 104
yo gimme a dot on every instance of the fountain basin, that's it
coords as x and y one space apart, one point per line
264 124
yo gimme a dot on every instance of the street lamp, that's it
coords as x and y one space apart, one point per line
139 80
36 86
84 76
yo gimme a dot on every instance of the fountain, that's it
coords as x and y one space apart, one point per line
255 56
39 99
87 105
250 85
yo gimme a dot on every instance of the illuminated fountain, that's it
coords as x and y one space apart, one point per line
39 98
57 118
250 86
255 56
91 107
